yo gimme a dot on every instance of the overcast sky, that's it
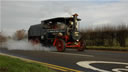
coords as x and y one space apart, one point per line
20 14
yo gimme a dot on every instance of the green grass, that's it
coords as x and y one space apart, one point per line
8 64
107 48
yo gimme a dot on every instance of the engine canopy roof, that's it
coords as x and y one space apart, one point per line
59 19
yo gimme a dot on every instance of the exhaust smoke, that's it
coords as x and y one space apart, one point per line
25 45
11 44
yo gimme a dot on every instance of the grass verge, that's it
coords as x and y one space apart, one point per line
8 64
107 48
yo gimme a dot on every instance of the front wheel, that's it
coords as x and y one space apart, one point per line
82 46
60 45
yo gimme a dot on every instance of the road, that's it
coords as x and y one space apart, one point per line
87 61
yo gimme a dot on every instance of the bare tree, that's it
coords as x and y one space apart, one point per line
2 38
20 34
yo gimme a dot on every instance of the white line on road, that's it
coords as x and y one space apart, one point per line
72 54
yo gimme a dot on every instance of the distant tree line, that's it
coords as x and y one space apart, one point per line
107 36
18 35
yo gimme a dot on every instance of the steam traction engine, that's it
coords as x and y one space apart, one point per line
61 32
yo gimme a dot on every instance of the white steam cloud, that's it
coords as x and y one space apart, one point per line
24 45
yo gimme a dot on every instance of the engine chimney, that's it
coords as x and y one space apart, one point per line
75 25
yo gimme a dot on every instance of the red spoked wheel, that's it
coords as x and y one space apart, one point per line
60 45
82 46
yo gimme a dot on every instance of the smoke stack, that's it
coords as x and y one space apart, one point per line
75 21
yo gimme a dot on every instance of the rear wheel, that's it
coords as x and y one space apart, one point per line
60 45
82 46
35 41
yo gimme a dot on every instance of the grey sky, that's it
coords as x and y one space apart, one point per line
21 14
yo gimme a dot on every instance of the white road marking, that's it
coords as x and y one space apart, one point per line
72 54
120 69
86 64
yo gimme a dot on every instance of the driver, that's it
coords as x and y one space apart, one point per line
70 26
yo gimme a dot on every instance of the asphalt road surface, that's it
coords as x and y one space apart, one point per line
87 61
